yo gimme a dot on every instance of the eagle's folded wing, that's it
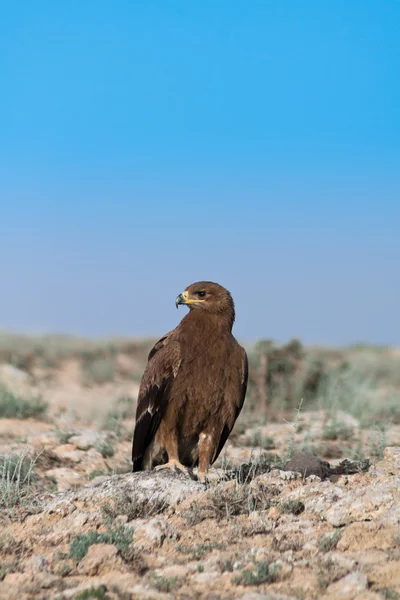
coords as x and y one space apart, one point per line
238 399
158 378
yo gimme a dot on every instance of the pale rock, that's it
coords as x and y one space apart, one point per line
362 504
59 506
66 479
38 563
274 513
164 488
367 536
392 454
96 481
267 596
150 534
387 575
99 559
348 587
93 460
120 520
72 524
69 452
207 577
289 475
259 523
87 439
369 558
325 495
344 562
178 571
13 580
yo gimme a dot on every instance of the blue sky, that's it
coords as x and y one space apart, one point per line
147 145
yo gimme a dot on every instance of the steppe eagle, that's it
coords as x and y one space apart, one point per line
193 387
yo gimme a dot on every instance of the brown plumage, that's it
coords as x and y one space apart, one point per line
193 388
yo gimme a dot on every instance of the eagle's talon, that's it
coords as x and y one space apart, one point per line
173 465
202 477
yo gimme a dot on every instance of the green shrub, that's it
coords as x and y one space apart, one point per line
263 572
13 406
121 537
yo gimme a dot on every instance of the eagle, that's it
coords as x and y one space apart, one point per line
193 387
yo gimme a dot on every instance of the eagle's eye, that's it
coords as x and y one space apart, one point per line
201 294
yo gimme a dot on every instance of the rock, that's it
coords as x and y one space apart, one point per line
362 504
66 479
146 488
348 587
178 571
367 536
387 575
369 558
87 439
60 506
206 578
268 596
99 559
307 464
93 460
69 452
38 563
150 534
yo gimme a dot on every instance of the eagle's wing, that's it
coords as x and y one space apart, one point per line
238 404
163 364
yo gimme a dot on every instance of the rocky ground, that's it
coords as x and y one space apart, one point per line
273 522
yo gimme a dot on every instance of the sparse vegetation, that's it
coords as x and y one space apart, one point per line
328 572
106 447
198 551
121 537
15 478
13 406
98 593
225 502
63 437
292 507
389 594
98 370
337 431
326 543
248 524
123 504
8 567
96 473
167 585
256 439
262 572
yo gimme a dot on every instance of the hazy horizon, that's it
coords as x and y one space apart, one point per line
147 146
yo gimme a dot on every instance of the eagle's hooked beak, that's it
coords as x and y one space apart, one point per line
185 298
182 299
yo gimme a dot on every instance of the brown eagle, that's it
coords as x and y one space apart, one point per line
193 387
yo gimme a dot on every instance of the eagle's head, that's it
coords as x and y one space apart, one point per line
208 296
